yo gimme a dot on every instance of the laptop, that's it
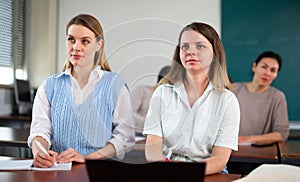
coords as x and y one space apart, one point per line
113 170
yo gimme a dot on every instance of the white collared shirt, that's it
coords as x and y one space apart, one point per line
213 120
123 132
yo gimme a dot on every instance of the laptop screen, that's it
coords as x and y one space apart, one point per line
102 170
23 99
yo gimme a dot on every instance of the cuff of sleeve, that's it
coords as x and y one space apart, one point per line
120 151
31 137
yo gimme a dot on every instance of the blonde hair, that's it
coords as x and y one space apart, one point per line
93 24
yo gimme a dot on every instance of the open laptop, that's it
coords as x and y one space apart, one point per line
112 170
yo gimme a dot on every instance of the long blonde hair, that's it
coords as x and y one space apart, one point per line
93 24
218 71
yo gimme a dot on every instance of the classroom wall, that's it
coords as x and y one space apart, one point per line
41 39
140 35
40 47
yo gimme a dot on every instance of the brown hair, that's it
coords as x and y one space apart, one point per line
93 24
218 71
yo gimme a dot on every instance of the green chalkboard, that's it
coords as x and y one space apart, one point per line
250 27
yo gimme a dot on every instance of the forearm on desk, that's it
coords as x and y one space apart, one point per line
153 148
218 160
106 152
262 139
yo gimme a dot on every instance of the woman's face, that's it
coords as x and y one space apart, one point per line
81 46
196 52
265 71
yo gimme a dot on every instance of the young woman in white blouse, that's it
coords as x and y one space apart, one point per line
193 116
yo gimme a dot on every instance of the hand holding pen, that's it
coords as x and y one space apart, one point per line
42 160
168 156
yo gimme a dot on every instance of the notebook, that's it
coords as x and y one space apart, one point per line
108 170
27 165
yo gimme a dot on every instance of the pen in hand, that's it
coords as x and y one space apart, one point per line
168 156
42 148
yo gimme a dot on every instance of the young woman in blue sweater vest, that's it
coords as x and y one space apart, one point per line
83 112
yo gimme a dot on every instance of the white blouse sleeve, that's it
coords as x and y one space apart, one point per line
153 119
123 133
41 119
229 129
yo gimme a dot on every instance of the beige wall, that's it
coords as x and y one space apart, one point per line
41 44
140 35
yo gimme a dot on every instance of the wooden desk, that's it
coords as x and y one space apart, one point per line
79 174
15 121
248 153
290 152
249 157
13 137
137 154
21 118
222 177
242 162
13 142
294 134
245 153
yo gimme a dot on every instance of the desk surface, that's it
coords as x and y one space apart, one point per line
247 153
248 157
79 173
290 152
15 121
15 118
13 137
290 149
294 134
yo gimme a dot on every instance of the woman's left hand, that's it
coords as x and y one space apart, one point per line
70 155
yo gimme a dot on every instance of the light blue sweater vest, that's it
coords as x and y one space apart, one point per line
87 127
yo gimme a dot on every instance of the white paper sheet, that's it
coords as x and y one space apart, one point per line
27 165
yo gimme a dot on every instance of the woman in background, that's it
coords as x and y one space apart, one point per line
264 116
140 98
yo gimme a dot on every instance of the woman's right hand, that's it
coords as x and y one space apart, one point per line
43 160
